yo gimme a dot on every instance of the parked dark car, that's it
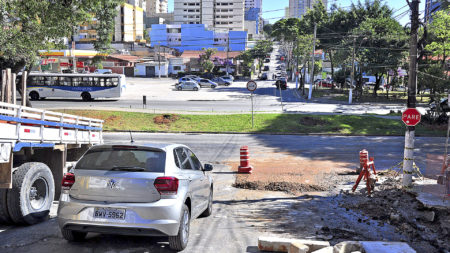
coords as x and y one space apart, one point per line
263 76
281 84
266 68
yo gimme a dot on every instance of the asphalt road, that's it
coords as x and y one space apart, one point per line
228 229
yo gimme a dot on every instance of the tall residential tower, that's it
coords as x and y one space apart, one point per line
227 14
298 8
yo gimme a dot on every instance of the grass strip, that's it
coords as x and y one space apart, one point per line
263 123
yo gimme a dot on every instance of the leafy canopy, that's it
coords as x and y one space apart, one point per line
32 25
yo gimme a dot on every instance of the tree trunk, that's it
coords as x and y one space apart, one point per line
330 53
377 84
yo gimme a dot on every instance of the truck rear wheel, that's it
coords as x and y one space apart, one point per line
31 197
4 214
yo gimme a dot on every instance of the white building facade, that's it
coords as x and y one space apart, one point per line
226 14
253 4
156 6
298 8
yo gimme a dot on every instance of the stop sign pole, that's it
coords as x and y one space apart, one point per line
408 158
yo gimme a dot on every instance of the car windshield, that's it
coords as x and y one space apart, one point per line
126 159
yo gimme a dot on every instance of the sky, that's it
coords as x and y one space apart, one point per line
273 10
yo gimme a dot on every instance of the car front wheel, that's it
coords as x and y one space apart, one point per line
195 89
179 88
180 241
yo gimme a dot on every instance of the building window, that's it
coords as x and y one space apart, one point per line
176 67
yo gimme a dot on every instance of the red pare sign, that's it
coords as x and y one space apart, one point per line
411 117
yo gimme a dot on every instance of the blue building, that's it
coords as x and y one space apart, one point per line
253 14
196 37
431 6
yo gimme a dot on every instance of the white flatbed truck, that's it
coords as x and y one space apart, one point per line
34 148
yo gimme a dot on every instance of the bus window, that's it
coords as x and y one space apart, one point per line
51 80
65 81
76 81
112 81
39 80
85 81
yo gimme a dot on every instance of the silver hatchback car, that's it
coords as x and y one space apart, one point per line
127 189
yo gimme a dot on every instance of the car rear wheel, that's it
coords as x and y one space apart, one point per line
180 241
179 88
73 236
213 86
195 89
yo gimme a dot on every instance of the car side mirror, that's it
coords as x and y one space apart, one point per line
208 167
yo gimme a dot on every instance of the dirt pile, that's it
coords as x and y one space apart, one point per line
289 187
427 229
165 119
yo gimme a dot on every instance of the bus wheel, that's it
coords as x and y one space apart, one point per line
86 96
34 95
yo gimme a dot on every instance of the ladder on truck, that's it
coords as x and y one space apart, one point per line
34 147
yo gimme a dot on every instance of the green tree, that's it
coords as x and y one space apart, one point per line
33 25
261 50
439 30
205 59
383 47
268 29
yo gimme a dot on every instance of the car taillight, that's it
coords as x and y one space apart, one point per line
68 180
166 185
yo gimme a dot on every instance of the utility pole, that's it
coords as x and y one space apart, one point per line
408 160
312 63
228 51
72 51
352 76
159 59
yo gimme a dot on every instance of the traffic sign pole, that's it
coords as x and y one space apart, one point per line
251 86
408 160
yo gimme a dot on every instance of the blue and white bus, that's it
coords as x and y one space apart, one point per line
85 86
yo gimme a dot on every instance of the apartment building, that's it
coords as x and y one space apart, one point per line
298 8
128 25
253 4
156 6
226 14
196 37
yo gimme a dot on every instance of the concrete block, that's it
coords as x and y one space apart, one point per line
428 216
386 247
283 244
314 245
347 247
274 244
328 249
297 247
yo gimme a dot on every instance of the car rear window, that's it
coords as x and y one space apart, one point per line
107 159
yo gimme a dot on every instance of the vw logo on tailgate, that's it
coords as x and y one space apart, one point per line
111 184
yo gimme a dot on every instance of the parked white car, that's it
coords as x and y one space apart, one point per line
128 189
188 85
207 83
228 78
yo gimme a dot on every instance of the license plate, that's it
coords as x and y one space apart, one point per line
109 213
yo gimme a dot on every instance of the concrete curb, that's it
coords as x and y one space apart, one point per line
262 133
274 244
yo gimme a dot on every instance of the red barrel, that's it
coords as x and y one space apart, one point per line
244 166
363 156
